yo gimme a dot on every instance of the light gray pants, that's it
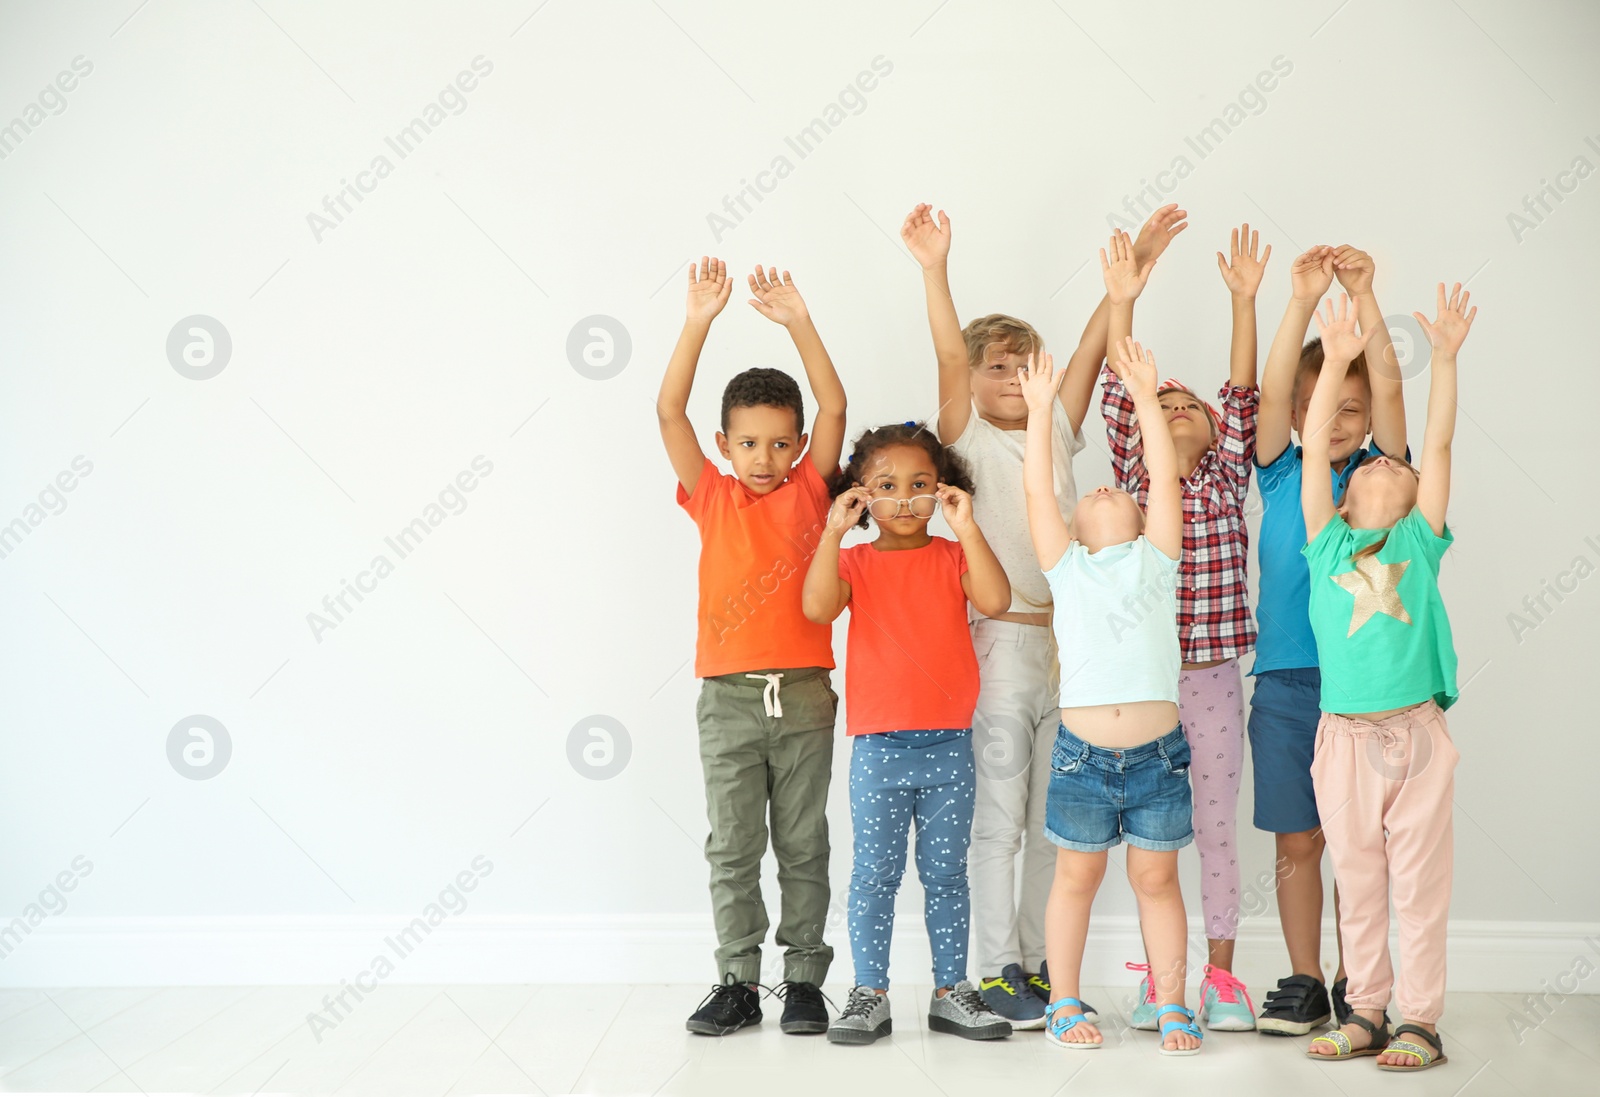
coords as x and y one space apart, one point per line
1013 732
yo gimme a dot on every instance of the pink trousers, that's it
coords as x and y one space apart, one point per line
1211 708
1384 793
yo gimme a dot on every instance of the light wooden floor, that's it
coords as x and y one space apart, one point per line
598 1039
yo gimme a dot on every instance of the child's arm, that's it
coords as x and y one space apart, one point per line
1242 272
780 301
929 243
708 292
1446 334
1340 345
1163 513
1125 279
1354 269
1084 365
825 595
984 581
1048 529
1309 278
1125 275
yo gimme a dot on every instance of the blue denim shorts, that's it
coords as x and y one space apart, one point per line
1099 797
1284 713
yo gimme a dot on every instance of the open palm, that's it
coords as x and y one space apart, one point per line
1449 328
709 288
928 240
776 298
1245 262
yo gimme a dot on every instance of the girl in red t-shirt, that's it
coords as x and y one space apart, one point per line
911 684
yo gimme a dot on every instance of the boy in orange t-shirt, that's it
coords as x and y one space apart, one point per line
767 706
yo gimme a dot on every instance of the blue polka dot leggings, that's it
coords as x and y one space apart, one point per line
897 777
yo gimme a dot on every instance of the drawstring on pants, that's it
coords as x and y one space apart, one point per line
769 695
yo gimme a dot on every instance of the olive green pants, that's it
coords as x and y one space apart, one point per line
763 767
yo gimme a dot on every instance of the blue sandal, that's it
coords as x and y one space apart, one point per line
1185 1025
1055 1028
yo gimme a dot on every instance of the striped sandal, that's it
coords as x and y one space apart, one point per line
1185 1025
1056 1027
1377 1037
1424 1057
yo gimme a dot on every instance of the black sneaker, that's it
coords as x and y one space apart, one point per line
803 1011
729 1007
1341 1008
1299 1005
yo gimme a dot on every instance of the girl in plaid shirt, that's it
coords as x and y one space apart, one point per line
1215 627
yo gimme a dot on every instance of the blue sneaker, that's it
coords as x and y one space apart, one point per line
1221 1007
1008 995
1143 1015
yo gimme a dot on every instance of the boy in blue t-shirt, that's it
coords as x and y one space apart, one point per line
1285 707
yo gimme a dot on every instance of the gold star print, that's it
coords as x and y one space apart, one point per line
1376 588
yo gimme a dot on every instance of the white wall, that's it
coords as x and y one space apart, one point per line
371 366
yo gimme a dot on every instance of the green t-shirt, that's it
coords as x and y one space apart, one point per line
1383 637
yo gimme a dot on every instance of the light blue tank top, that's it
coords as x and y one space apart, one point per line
1116 624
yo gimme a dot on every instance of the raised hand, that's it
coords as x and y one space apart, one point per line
1341 342
777 299
1156 233
1245 264
927 239
847 508
1312 274
1136 368
709 288
1124 274
957 506
1449 329
1040 383
1354 269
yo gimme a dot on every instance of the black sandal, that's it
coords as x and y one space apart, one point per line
1341 1043
1424 1057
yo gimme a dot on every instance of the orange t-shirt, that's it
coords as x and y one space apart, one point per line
754 550
910 664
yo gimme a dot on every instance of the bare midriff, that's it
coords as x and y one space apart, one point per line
1021 618
1374 717
1121 727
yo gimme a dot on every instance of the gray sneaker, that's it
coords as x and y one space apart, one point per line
865 1018
964 1013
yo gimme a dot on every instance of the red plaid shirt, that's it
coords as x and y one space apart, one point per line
1214 620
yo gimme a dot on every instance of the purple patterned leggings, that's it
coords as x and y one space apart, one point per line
1211 706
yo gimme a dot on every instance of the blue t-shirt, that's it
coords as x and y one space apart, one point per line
1283 599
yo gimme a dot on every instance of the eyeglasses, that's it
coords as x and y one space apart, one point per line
919 506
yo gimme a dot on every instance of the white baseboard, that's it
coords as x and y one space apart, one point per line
68 951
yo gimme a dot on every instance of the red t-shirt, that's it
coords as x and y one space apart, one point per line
754 551
910 664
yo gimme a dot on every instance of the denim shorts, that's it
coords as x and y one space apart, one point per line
1099 797
1284 712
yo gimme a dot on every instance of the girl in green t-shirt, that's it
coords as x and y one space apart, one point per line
1384 764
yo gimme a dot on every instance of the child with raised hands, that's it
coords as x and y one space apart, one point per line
1384 764
1285 706
1119 770
1215 628
983 417
911 681
766 708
